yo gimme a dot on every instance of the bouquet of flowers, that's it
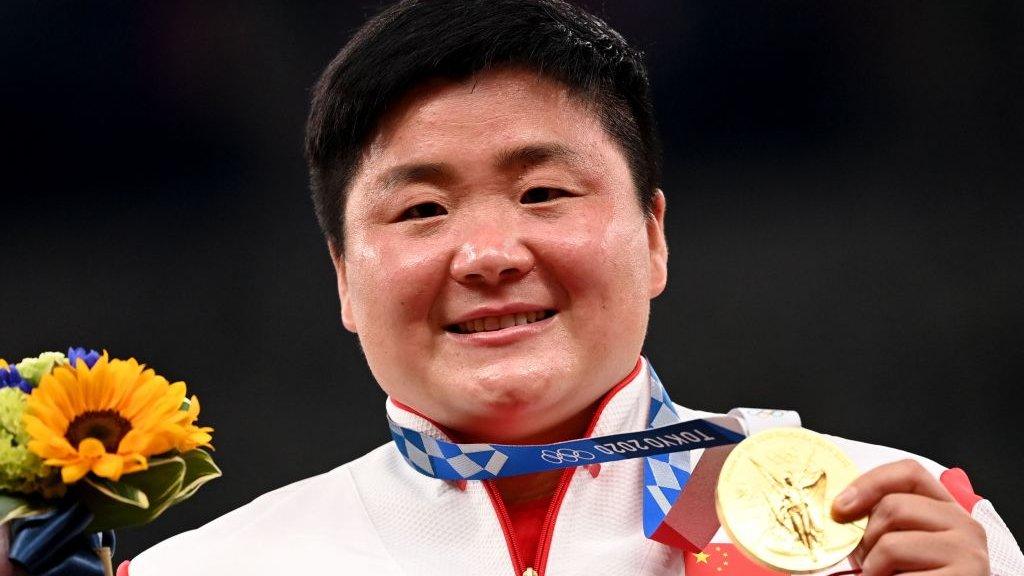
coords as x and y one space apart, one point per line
90 444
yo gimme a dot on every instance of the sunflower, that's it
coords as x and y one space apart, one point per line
109 419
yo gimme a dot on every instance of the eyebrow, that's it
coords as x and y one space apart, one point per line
521 157
413 173
534 154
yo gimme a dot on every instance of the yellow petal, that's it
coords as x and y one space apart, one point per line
162 412
50 416
134 441
75 393
178 390
109 466
51 449
141 398
118 391
37 429
193 407
135 463
160 443
194 439
61 443
54 392
105 394
91 448
73 472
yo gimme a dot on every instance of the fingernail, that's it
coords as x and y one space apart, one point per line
846 498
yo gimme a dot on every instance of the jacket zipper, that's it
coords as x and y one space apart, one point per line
547 530
506 528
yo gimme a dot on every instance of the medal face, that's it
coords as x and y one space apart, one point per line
774 498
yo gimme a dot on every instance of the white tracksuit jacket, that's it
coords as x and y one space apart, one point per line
377 516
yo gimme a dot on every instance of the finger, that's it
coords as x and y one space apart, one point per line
898 552
905 476
944 571
6 569
897 512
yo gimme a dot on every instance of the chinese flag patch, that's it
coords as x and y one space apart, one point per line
721 559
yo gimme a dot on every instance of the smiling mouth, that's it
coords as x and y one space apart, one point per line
492 323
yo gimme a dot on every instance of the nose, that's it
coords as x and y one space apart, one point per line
490 255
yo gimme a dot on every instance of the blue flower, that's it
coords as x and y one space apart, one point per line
89 357
10 378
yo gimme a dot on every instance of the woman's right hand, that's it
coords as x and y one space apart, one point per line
6 568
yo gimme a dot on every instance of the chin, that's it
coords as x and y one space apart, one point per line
513 391
510 394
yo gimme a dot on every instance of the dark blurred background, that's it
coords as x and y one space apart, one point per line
845 220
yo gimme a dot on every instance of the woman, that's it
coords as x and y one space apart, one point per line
486 176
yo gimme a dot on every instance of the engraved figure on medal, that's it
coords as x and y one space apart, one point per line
796 506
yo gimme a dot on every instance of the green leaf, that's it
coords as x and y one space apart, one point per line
199 469
119 492
13 507
160 483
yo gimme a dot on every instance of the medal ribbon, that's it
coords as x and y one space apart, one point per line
665 446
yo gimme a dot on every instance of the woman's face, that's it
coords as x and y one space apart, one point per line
497 266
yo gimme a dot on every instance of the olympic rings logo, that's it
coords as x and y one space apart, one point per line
565 455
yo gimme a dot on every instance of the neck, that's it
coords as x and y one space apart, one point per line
516 489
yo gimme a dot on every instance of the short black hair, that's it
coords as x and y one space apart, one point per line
418 40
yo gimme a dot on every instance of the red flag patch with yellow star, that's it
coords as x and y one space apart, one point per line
721 559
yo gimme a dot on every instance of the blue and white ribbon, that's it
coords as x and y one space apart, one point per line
665 446
55 542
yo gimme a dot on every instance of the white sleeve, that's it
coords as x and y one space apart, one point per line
1004 555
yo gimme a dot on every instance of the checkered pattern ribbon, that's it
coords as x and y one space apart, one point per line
665 443
665 475
448 460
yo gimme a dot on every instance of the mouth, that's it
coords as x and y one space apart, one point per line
494 323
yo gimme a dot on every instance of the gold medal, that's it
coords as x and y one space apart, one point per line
774 498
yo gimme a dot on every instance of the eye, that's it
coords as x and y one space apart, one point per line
542 194
424 210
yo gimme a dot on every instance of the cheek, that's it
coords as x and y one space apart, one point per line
392 283
600 257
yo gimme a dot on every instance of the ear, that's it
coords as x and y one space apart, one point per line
657 245
340 273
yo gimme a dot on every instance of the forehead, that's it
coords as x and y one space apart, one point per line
488 96
480 120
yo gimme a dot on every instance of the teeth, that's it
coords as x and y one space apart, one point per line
492 323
